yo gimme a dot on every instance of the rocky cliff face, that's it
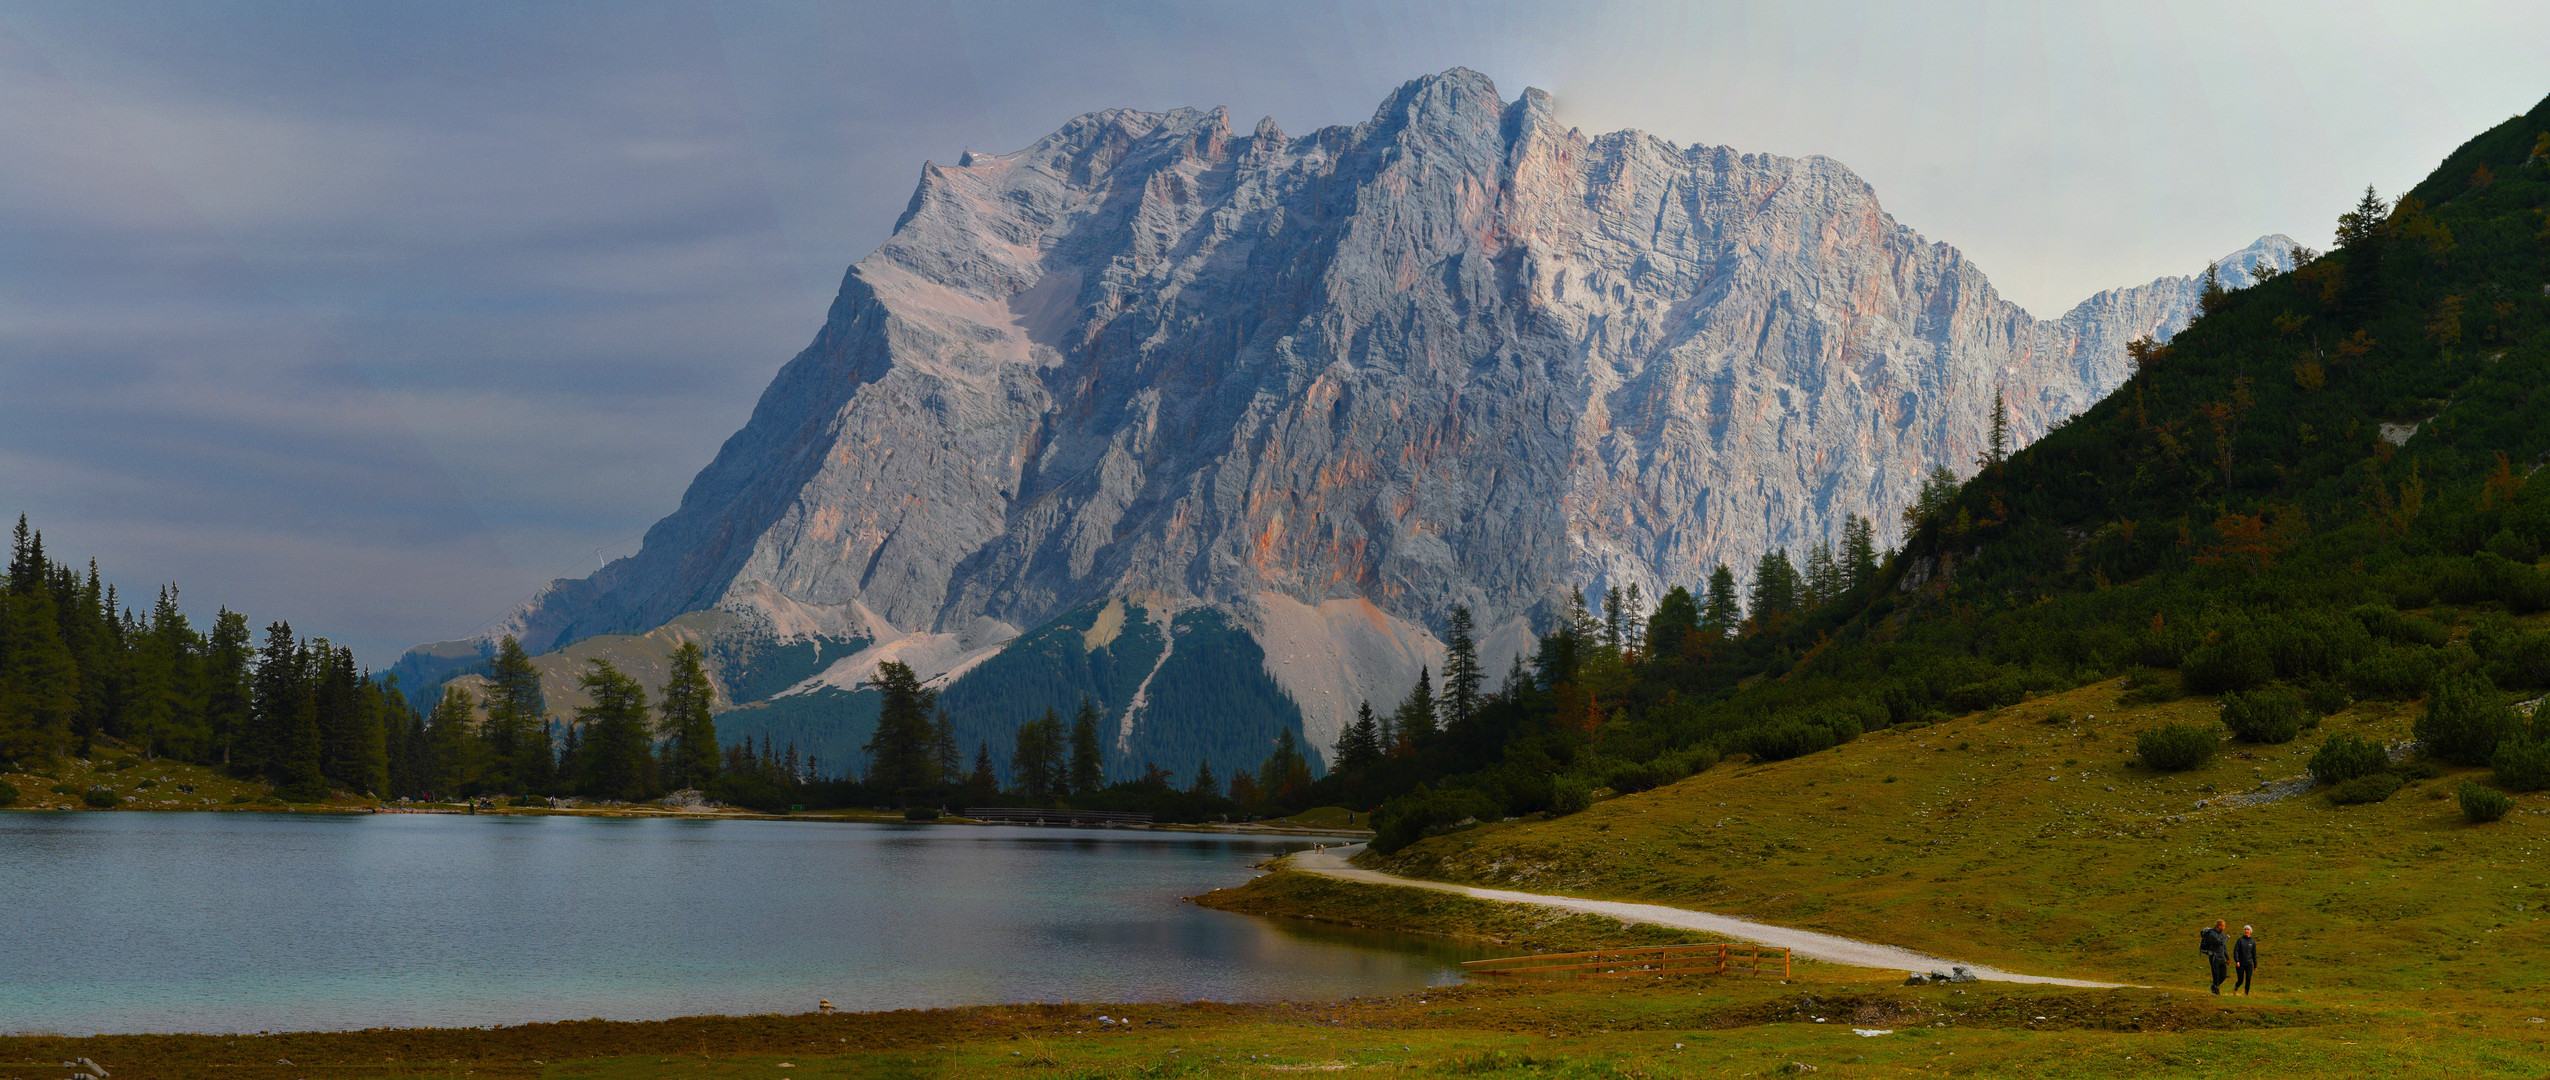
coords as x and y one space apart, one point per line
1332 385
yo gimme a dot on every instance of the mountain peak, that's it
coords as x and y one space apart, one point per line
1318 392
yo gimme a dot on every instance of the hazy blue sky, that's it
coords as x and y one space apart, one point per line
375 316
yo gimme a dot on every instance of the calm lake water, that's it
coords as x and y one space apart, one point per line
131 922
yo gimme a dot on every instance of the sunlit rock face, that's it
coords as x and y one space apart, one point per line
1335 384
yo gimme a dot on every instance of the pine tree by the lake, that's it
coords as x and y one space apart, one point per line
229 686
455 756
614 760
901 760
983 785
1088 771
520 758
1039 769
688 727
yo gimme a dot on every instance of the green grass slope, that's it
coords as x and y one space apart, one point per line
2045 847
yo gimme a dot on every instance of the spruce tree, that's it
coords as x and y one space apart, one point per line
901 760
299 772
1204 783
1462 676
1676 617
269 746
614 762
1774 595
687 725
1721 614
1415 718
2364 222
229 695
1088 771
949 769
1036 767
2210 294
1858 556
1359 742
453 749
39 678
984 785
340 717
520 759
1823 577
1285 770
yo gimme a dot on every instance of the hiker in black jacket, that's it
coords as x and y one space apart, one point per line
2244 956
2215 943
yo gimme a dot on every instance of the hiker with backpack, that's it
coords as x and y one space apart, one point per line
2215 943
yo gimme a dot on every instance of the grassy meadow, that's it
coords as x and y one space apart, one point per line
2030 838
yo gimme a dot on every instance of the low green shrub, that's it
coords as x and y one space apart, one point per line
1569 794
1425 811
2144 686
2479 804
2403 628
2176 747
2512 546
2271 715
98 798
1633 777
8 793
2368 788
921 813
2225 663
2464 721
2325 697
2522 763
1995 693
2392 674
66 789
2344 757
146 785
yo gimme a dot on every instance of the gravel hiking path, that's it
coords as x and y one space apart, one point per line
1807 944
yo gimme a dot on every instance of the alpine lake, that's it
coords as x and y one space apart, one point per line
246 922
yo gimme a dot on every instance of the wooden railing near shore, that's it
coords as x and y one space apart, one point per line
1628 963
1035 815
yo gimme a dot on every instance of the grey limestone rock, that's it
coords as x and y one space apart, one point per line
1337 383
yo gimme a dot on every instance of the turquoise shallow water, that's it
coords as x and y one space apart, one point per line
266 922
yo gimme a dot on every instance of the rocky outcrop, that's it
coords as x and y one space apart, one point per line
1334 384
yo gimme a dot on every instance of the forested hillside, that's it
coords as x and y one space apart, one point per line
76 663
2325 489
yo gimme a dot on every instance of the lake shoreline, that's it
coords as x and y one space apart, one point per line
837 816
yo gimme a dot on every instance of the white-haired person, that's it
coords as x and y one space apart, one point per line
2244 957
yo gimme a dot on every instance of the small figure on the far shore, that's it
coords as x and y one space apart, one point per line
2215 943
824 1006
2244 956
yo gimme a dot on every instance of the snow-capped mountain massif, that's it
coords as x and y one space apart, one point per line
1215 425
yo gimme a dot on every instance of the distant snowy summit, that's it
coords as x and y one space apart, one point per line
1215 426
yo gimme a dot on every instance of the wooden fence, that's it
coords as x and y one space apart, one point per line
1628 963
